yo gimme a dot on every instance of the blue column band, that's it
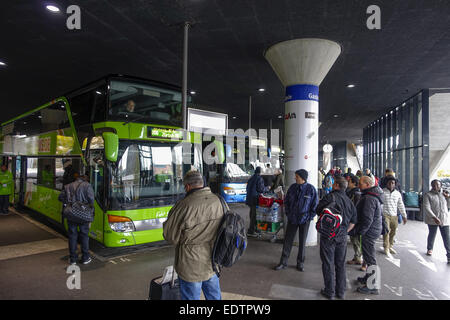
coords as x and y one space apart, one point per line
302 92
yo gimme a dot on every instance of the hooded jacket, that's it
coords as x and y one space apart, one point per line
255 186
300 203
369 210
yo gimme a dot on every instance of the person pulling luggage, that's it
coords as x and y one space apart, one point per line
192 226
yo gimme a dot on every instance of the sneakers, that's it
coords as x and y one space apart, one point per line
391 250
72 263
89 260
429 252
366 290
300 267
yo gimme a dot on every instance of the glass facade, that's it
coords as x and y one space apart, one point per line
399 140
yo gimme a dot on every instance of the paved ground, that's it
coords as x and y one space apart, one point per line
33 265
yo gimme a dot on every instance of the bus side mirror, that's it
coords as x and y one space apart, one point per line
111 146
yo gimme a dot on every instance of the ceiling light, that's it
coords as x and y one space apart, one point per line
336 116
193 92
52 8
98 92
234 117
350 86
2 63
261 89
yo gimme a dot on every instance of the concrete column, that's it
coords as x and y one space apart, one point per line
301 65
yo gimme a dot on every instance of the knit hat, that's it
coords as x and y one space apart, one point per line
302 173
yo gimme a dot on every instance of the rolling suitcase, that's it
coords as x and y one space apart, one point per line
164 291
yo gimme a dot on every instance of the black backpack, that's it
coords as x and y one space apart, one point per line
231 240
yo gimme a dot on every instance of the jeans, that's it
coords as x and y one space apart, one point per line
192 290
4 203
332 254
445 236
83 235
291 230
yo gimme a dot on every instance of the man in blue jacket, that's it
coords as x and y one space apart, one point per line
300 206
255 186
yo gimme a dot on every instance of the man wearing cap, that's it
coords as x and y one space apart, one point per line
300 207
192 226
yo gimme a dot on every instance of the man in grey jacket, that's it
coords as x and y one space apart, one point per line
435 205
192 226
79 190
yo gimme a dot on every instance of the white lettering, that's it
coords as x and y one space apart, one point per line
74 20
374 21
74 280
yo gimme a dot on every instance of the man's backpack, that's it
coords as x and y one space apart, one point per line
231 240
329 221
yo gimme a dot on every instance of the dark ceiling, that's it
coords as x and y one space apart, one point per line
226 65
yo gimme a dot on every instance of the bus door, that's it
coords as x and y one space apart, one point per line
95 156
17 176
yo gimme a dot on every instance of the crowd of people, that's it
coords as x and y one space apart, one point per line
369 208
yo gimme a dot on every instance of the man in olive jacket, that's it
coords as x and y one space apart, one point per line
192 226
6 189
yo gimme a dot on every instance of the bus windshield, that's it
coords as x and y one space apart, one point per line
130 101
148 174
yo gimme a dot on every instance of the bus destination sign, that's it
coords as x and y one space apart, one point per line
164 133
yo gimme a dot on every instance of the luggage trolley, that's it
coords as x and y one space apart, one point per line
269 216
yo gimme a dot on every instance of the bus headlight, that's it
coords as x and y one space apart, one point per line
121 224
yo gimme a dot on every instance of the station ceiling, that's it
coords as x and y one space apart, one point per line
144 38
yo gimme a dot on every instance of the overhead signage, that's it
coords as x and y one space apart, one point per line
164 133
302 92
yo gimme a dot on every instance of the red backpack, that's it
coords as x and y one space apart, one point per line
329 223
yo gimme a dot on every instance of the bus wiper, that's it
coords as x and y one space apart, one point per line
135 119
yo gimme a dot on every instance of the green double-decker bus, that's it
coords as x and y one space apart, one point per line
125 134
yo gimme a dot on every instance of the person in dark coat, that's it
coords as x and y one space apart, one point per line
369 226
300 207
333 251
255 187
